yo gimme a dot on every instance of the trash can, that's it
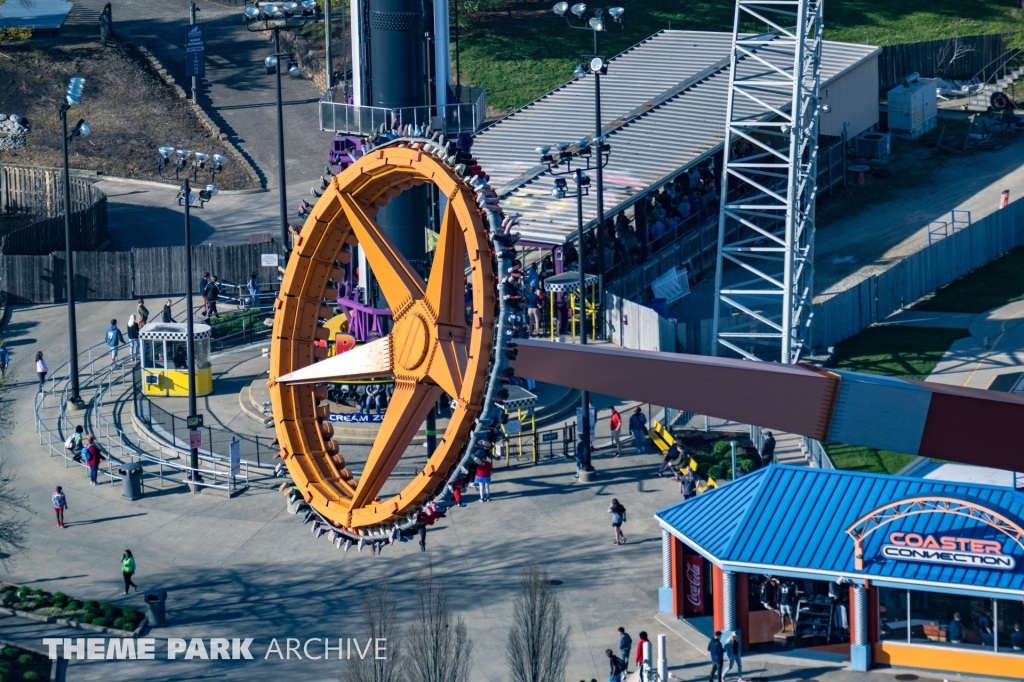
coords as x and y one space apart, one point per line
131 479
156 607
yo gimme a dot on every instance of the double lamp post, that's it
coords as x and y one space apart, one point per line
192 163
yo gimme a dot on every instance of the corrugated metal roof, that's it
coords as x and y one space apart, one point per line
646 151
38 14
796 518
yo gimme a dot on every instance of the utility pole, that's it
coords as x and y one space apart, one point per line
195 79
327 44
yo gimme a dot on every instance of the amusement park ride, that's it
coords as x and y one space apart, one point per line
432 350
438 344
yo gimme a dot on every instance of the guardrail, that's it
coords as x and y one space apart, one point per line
112 439
465 116
816 453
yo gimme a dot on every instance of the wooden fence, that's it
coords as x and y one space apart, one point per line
119 275
961 57
38 193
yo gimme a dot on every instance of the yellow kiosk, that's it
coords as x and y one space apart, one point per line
165 359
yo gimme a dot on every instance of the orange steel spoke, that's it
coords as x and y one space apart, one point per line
446 287
448 367
405 414
369 361
398 281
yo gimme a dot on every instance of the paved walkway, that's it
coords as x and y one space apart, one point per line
236 92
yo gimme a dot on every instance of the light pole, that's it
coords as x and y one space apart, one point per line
187 199
595 23
274 17
594 155
73 95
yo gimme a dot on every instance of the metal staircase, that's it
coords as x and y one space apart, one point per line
997 76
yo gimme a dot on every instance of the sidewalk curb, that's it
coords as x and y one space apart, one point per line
167 185
53 620
214 129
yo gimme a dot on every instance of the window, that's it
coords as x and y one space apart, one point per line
920 617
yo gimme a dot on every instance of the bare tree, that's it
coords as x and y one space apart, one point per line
439 646
538 643
13 528
381 620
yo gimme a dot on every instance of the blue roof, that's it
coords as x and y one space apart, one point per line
796 518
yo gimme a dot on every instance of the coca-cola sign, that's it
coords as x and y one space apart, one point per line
694 585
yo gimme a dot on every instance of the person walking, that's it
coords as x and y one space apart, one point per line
483 478
41 370
133 337
60 503
212 296
616 428
581 457
167 318
733 651
5 358
616 666
202 292
618 513
93 458
142 313
638 427
640 658
114 338
625 646
768 449
716 651
128 570
253 285
687 485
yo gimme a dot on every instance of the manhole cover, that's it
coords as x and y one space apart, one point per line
559 582
907 678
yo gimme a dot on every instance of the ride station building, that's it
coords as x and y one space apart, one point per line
887 570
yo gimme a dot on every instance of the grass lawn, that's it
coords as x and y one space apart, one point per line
990 286
522 49
905 352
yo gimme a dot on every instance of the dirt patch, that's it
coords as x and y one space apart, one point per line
130 110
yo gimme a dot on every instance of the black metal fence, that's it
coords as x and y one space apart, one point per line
254 450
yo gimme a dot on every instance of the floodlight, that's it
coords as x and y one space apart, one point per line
596 24
561 8
579 9
561 146
581 143
165 152
212 189
616 13
81 129
825 109
251 13
290 6
596 64
201 158
72 99
271 9
218 161
75 89
77 80
271 64
579 71
584 179
293 69
308 4
182 153
542 151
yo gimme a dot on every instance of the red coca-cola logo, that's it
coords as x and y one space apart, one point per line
694 594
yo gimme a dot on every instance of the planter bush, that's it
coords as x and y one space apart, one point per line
59 605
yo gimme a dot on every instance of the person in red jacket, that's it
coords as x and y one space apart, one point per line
616 427
483 479
93 457
640 659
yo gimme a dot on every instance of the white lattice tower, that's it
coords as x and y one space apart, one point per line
763 282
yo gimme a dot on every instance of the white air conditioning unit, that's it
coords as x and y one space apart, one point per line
873 146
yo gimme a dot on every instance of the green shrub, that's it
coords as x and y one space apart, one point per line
5 667
129 613
122 624
37 592
91 605
99 620
59 595
30 675
108 609
17 33
25 659
73 605
11 651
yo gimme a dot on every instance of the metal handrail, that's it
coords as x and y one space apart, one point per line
113 437
1002 59
465 116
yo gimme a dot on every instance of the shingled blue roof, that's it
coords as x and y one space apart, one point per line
788 518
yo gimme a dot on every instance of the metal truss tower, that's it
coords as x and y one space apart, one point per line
766 220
